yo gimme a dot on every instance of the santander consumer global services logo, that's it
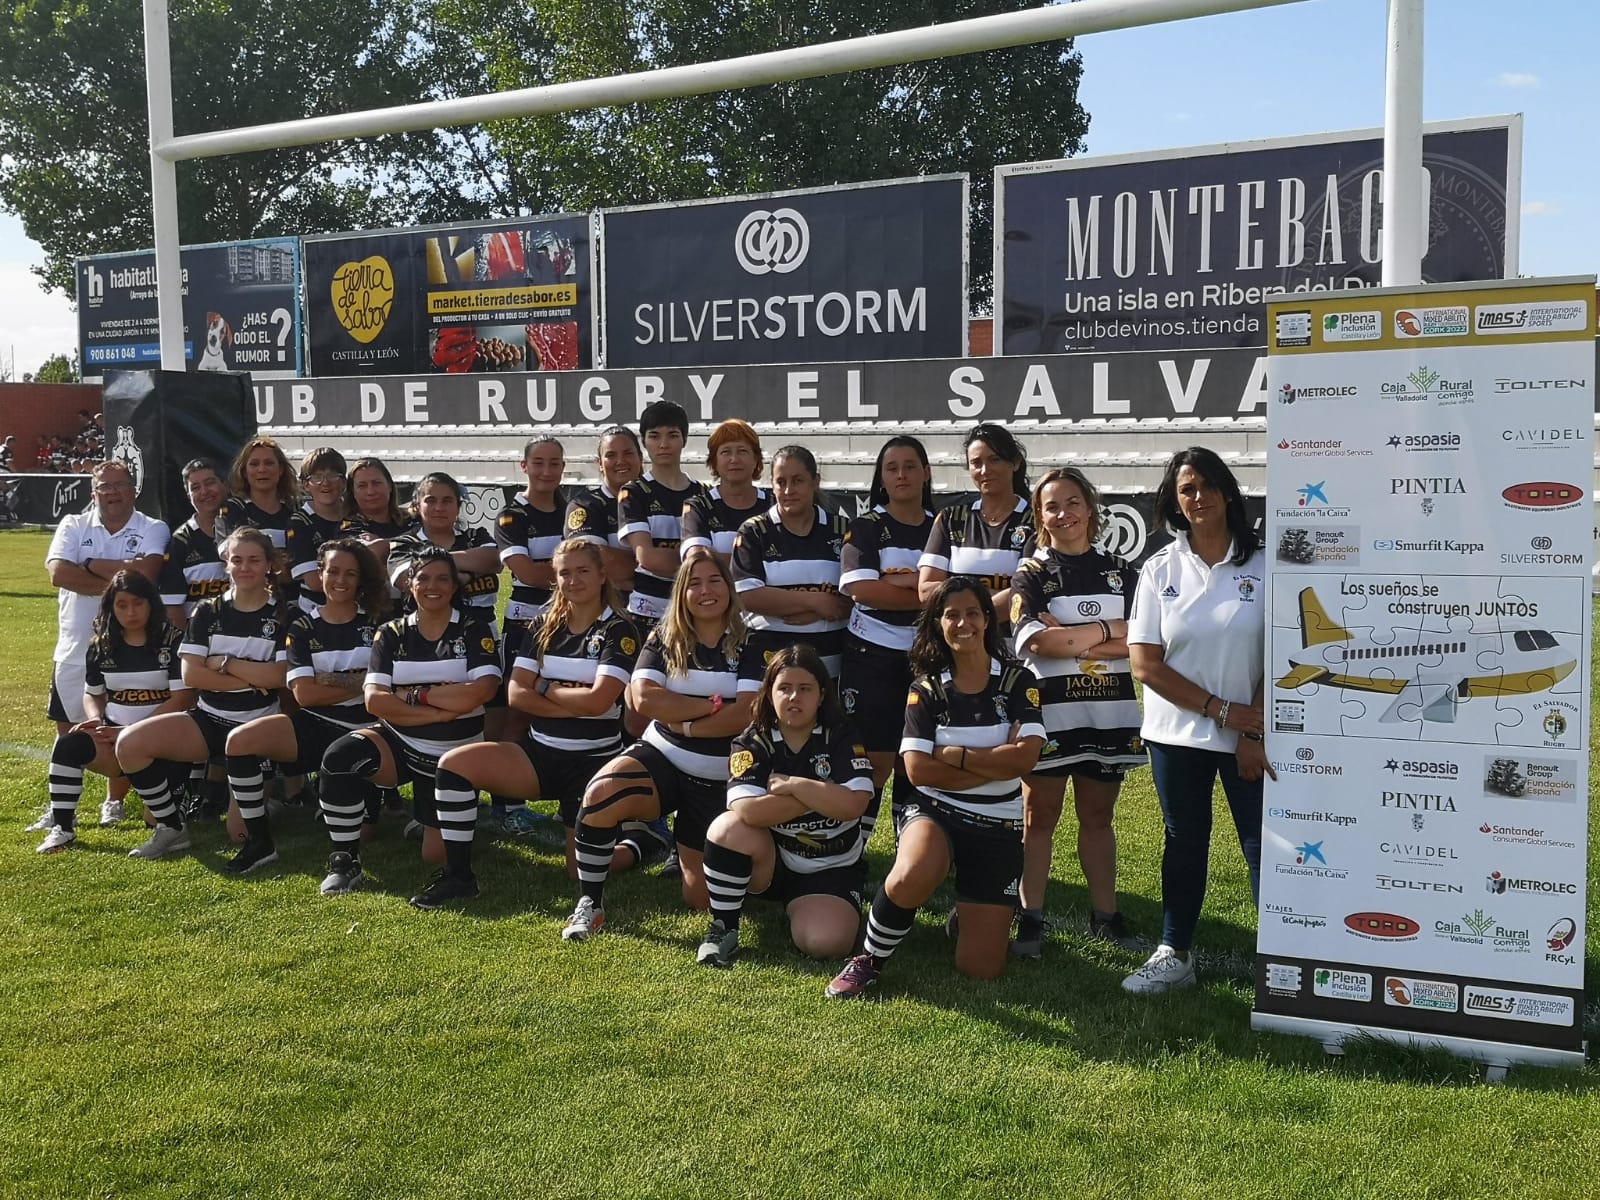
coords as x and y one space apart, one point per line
772 242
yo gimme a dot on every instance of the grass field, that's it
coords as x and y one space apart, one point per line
172 1032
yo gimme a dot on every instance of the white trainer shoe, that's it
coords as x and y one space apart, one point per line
164 841
112 813
1163 971
57 840
44 822
587 920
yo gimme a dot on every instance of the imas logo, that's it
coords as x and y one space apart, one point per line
130 456
774 242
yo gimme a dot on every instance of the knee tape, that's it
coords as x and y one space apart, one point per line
352 754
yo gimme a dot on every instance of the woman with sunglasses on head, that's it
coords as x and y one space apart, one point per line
569 677
438 502
233 656
799 785
329 650
1069 607
320 518
592 515
263 492
372 507
429 676
972 731
711 519
989 537
878 571
693 682
786 565
1196 640
132 672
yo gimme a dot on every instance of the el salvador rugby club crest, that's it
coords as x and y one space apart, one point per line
458 648
847 700
1019 535
594 645
822 767
1114 581
269 628
1000 708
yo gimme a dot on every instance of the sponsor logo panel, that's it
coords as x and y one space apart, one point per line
1525 778
1434 995
1311 545
1364 326
1334 984
1536 316
1283 979
1449 320
1506 1004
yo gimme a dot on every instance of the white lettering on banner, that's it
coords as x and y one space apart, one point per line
594 398
853 406
802 387
491 401
539 412
647 389
1104 405
373 403
740 318
966 384
706 390
1255 391
1252 250
1039 393
1291 222
302 404
415 394
1184 396
265 403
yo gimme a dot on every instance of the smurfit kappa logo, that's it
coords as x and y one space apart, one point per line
772 242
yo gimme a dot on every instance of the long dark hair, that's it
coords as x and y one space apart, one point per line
998 438
107 634
372 593
929 653
877 493
1209 466
804 657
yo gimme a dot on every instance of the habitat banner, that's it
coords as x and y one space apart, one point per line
1424 849
241 310
508 296
1183 249
862 271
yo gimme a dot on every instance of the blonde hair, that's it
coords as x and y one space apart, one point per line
277 572
288 481
560 611
677 635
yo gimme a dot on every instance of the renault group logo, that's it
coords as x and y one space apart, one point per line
772 242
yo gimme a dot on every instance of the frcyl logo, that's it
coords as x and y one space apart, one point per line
774 242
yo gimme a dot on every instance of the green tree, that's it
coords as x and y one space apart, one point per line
58 368
957 114
74 162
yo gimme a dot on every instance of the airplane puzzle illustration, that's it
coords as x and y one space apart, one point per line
1429 673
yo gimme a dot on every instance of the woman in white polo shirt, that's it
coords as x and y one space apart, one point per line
1196 642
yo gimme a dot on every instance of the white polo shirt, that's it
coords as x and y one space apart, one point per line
1211 625
80 537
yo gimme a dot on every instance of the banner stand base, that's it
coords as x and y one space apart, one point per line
1495 1056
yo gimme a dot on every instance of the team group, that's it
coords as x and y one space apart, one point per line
732 655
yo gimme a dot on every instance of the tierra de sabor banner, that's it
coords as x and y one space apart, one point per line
1182 249
1425 846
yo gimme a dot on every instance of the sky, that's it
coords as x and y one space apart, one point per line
1303 68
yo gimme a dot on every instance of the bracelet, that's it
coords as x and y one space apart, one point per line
1222 717
1105 631
1205 709
716 705
1253 737
422 695
688 729
222 667
963 758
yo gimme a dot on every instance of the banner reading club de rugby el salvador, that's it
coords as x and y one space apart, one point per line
1424 849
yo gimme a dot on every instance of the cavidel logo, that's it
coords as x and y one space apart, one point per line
774 242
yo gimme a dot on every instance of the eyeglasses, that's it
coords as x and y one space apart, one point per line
111 489
323 477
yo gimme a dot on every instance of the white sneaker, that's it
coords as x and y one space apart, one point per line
45 821
57 840
111 813
1163 971
587 919
163 842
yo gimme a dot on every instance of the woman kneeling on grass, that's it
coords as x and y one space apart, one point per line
694 683
233 655
430 674
568 677
328 650
133 671
798 784
973 730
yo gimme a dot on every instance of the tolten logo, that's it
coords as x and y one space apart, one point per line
774 242
363 296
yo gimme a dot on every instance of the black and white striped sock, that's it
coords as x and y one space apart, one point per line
592 849
68 757
151 783
727 882
887 925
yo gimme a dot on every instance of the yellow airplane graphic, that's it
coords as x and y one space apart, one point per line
1425 668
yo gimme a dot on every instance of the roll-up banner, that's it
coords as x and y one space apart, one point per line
1183 249
241 309
1424 848
452 299
860 271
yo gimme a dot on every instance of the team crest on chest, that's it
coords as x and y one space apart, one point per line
595 644
366 635
1000 708
1114 581
164 657
1019 535
269 627
822 767
458 648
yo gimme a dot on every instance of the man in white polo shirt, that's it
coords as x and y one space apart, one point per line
87 550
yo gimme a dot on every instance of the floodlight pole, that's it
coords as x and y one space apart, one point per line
163 186
1405 192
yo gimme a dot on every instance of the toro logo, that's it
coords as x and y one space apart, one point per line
1381 926
1536 497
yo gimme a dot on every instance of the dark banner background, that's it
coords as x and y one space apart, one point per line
1045 311
254 286
680 259
367 308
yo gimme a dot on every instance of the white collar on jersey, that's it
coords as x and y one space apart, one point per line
1022 503
946 677
455 615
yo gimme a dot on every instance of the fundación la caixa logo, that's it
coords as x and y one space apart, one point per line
772 242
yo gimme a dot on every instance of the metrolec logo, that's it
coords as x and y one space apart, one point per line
1289 394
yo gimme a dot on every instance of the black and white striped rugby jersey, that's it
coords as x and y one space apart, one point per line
524 530
961 542
810 842
713 673
192 570
217 627
710 521
878 545
649 506
403 656
135 680
606 649
316 646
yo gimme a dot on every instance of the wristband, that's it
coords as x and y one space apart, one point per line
716 705
1222 717
963 758
1105 631
1205 709
422 695
688 729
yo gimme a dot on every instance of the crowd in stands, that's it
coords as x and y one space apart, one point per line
730 655
58 454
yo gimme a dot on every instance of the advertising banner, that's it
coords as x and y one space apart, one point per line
1424 849
504 296
868 270
1183 249
241 310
